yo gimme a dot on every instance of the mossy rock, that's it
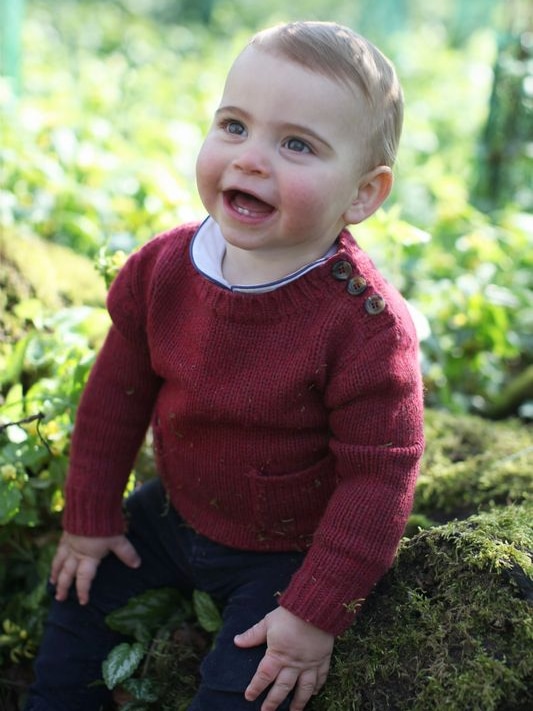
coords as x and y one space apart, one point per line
32 268
471 464
450 627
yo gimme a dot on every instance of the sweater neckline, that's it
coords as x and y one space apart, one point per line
305 293
207 249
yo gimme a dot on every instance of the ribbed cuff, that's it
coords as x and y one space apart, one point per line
309 599
88 513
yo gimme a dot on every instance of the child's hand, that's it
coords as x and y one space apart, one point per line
77 559
297 657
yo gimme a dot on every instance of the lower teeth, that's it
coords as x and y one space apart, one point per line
243 211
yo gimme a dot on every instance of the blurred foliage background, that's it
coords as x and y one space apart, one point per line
103 106
109 102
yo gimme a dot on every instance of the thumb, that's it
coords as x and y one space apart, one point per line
125 552
253 636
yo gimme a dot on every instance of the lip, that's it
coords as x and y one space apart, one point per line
239 203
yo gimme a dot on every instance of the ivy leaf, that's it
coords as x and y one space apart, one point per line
121 663
206 611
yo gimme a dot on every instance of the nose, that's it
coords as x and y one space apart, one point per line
252 159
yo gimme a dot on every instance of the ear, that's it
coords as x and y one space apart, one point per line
373 189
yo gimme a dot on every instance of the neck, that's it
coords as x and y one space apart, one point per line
250 267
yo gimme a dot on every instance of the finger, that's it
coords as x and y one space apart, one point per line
253 636
267 671
281 688
321 677
126 553
65 578
305 688
57 563
84 577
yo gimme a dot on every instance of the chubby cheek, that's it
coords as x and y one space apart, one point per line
207 175
305 200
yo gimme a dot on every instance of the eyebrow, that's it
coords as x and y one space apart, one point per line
292 127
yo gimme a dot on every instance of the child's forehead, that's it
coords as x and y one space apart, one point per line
256 63
257 76
256 58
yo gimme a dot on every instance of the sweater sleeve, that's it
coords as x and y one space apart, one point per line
113 416
376 426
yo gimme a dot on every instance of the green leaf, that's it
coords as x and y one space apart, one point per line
121 663
13 405
34 456
39 351
144 614
206 611
10 498
30 310
141 689
15 362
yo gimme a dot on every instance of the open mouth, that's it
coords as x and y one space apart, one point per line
247 205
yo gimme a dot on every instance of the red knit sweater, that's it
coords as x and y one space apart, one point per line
288 420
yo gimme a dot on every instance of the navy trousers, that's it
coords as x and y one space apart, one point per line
68 668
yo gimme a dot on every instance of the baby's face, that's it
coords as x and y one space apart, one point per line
283 160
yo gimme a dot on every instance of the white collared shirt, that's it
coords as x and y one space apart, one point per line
207 253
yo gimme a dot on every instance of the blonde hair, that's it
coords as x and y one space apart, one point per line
344 56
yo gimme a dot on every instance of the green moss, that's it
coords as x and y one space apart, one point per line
34 268
471 464
449 627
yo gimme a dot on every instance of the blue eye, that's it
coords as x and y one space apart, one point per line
235 128
297 145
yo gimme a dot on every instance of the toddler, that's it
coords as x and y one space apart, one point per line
279 373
